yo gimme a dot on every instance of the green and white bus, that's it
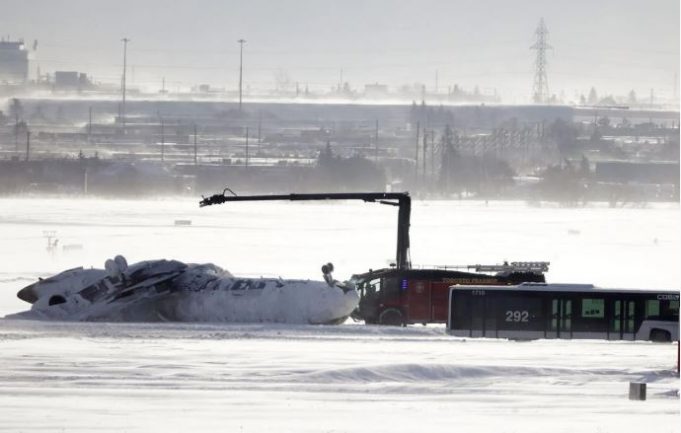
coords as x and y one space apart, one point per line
539 310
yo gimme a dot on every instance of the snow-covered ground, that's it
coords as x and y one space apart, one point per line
179 378
255 378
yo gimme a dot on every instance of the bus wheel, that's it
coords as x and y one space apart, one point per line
660 336
391 317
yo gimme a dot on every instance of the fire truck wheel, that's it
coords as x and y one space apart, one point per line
391 317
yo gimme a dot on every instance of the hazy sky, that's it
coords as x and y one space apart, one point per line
615 45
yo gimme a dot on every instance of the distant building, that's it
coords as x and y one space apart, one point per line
13 61
203 88
71 80
375 90
638 172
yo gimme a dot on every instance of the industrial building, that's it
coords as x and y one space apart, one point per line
13 61
71 80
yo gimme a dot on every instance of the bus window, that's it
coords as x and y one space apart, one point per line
477 312
490 317
652 308
591 316
616 324
593 308
629 316
567 316
461 314
554 315
669 310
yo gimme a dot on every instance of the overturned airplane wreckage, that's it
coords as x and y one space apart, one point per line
169 290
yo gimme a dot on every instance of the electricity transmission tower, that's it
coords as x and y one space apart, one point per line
540 90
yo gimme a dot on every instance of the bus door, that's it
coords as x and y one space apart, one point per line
615 329
477 312
418 301
629 320
623 320
561 319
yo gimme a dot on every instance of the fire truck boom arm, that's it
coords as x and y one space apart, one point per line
400 199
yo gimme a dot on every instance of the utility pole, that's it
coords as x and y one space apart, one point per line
28 143
247 147
416 159
259 126
241 43
16 133
89 124
163 140
540 90
125 68
376 143
432 156
195 147
425 154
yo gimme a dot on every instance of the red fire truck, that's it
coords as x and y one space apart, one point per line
400 297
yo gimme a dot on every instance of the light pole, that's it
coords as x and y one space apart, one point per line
163 140
247 147
125 68
28 143
241 43
89 124
376 144
196 159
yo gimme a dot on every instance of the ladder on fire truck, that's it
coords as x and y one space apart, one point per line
536 267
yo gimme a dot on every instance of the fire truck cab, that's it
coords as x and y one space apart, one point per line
404 296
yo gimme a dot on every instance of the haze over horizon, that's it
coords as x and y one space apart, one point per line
613 45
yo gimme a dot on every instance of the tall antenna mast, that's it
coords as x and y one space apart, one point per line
540 90
125 68
241 43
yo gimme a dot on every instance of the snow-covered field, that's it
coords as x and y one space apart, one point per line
255 378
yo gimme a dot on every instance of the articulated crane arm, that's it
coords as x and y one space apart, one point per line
399 199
